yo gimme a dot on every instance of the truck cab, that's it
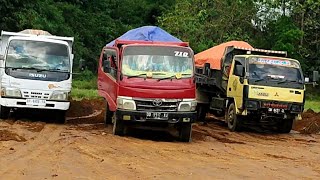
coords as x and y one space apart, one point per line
35 72
256 86
148 84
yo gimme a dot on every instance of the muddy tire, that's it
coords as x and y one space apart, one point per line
108 115
233 120
285 125
201 112
185 132
118 127
60 116
4 112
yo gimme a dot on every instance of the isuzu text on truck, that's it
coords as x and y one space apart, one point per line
147 78
35 71
250 86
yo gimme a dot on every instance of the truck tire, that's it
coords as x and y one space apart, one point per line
4 112
60 116
185 132
233 120
108 115
285 125
118 127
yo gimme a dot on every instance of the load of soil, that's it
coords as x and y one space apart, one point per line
310 123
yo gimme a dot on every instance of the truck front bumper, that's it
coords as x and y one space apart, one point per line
22 103
141 116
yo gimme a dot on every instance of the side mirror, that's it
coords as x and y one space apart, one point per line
315 77
306 80
206 69
1 57
106 66
239 71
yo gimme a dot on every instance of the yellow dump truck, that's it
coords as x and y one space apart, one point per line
249 86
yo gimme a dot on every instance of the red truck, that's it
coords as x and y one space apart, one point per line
149 83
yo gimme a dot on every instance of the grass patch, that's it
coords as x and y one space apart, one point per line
78 94
84 86
312 104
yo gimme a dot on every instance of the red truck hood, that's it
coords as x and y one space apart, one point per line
152 88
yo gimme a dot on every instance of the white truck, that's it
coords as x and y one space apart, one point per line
35 72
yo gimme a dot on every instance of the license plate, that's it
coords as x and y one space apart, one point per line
275 110
157 115
36 102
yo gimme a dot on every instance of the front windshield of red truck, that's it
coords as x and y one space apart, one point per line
157 62
275 71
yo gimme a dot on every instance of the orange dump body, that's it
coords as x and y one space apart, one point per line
215 54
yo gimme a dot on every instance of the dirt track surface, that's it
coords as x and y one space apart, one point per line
81 149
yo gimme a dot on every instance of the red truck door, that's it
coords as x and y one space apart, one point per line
108 76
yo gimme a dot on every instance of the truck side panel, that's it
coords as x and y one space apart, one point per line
235 88
107 84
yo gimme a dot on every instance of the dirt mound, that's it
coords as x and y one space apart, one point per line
310 123
6 135
86 111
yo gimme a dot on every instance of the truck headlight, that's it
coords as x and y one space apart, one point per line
252 105
60 96
126 103
10 92
187 105
296 108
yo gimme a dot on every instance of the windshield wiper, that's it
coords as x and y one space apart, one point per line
39 70
31 68
261 79
286 80
144 74
173 76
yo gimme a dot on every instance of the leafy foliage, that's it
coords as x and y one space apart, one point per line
291 25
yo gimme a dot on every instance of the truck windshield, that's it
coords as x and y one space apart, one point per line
277 71
45 56
160 62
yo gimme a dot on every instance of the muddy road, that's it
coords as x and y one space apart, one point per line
32 148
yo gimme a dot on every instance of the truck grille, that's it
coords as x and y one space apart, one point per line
35 95
156 105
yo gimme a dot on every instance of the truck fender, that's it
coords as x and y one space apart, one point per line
232 100
111 103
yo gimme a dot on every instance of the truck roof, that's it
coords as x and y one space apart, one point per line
31 33
119 43
214 55
146 34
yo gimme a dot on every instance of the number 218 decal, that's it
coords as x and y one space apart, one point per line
181 54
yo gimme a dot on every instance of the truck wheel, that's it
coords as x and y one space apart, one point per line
233 120
201 113
285 125
118 127
108 115
60 116
185 132
4 112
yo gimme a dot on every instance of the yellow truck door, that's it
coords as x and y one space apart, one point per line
235 83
